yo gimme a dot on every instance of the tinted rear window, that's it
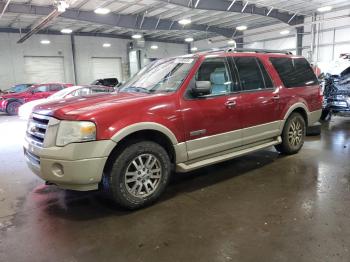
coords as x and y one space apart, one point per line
294 72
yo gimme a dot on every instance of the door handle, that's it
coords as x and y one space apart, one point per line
276 97
230 104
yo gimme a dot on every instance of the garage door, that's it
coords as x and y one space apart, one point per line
43 69
106 67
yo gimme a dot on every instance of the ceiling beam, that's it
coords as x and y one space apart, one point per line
134 22
240 7
96 34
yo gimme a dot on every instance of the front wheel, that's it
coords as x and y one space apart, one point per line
12 108
139 175
293 135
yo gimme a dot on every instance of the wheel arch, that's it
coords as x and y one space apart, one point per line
143 131
299 108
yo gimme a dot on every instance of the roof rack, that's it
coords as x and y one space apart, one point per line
265 51
251 50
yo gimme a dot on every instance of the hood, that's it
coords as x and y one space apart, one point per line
87 106
15 95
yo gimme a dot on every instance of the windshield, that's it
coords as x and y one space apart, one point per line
18 88
164 75
61 94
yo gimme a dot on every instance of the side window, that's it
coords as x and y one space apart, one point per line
250 74
266 76
40 89
55 87
215 70
294 72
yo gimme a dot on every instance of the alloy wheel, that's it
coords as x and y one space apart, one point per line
295 133
143 175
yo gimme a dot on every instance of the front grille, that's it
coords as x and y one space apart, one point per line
36 130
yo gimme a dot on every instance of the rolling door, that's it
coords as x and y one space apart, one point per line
106 67
44 69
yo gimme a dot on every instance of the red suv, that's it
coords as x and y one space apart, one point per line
180 114
10 103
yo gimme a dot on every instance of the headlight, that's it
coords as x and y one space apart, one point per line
75 131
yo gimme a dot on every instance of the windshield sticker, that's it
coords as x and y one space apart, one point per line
183 61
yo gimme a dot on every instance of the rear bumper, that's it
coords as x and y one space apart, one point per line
76 166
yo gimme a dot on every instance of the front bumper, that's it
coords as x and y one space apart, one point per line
77 166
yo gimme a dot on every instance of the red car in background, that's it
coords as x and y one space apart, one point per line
10 103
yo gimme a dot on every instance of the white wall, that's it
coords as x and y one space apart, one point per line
333 39
12 55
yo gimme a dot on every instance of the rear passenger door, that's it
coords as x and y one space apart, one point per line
259 100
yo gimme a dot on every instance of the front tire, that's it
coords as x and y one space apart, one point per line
139 175
293 135
12 108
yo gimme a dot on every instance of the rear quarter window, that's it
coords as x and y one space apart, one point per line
294 72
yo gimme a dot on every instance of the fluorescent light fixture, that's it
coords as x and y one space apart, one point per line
324 8
154 47
185 21
241 27
45 42
284 32
136 36
66 31
231 42
106 45
194 49
189 39
102 11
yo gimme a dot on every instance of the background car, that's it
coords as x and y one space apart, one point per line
25 110
106 82
10 103
16 88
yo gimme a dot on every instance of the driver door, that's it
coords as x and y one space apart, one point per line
211 122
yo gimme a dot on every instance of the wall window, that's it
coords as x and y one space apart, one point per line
215 70
250 74
294 72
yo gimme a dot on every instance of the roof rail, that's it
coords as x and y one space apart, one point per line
265 51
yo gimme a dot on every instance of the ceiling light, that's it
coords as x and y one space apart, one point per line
102 11
45 42
189 39
185 21
324 8
136 36
194 49
284 32
241 27
66 31
154 47
106 45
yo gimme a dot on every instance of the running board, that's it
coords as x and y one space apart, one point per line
202 162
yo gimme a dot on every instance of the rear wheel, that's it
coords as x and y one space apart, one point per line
139 175
12 108
293 135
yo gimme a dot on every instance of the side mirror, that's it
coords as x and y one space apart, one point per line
201 88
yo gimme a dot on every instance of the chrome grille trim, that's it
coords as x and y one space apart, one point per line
37 129
35 160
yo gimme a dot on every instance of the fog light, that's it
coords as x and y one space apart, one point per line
57 170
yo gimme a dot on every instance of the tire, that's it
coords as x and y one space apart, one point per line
293 135
132 184
326 115
12 108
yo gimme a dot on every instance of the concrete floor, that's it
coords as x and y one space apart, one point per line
261 207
